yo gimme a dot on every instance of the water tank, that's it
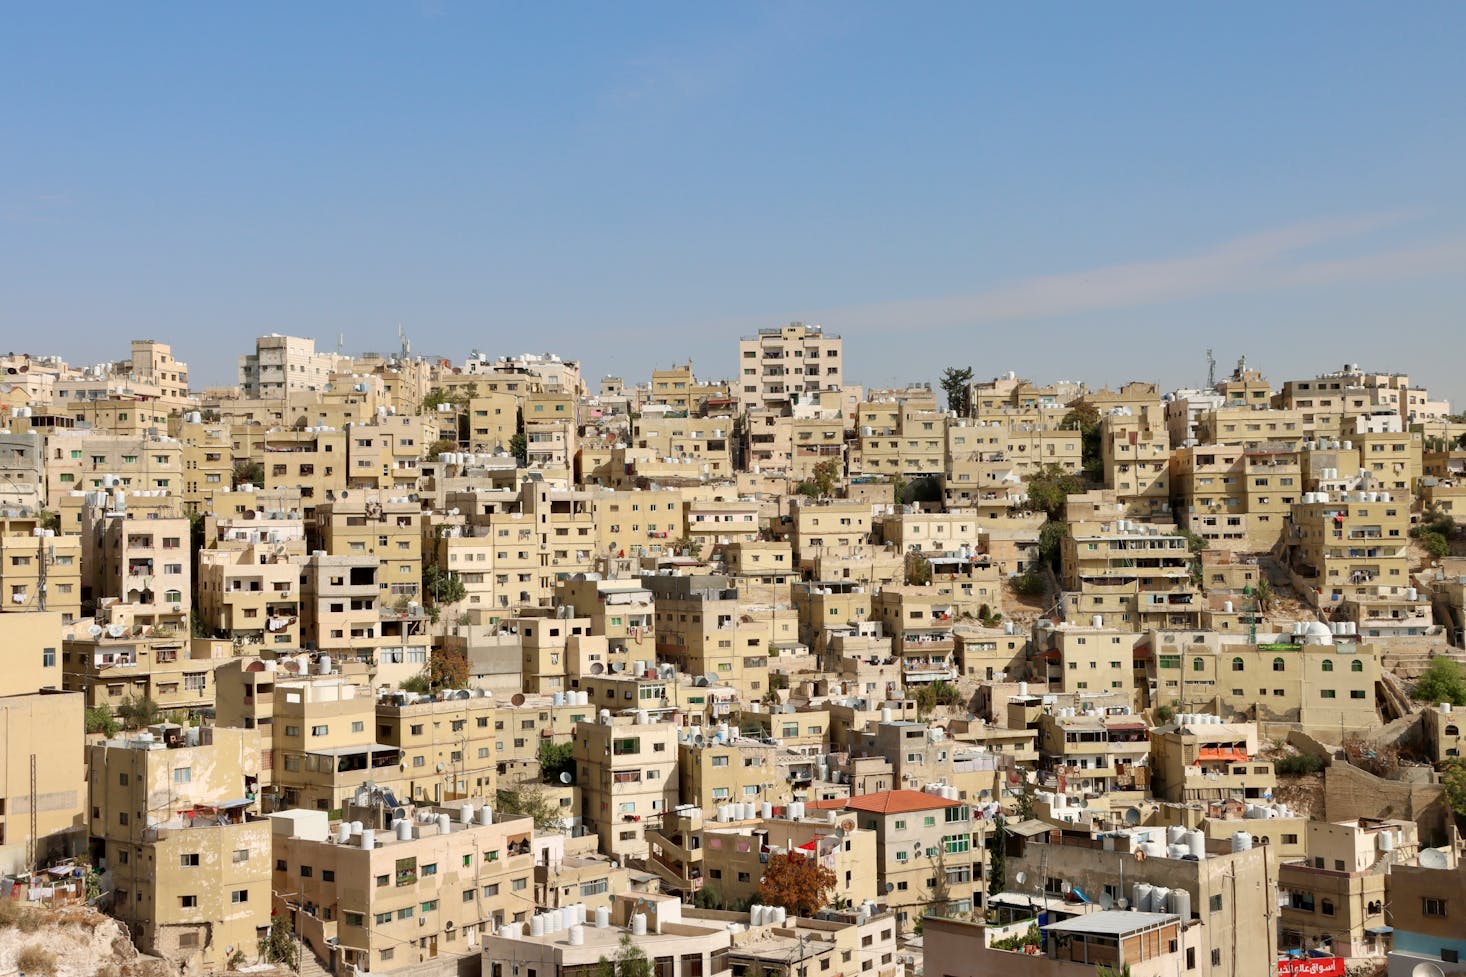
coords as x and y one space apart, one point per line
886 714
368 838
1180 904
1386 841
343 832
1411 594
603 917
356 827
577 935
445 824
1153 849
780 915
536 925
1176 851
1196 843
404 829
1098 620
766 810
465 814
638 924
1241 841
1174 834
605 717
485 815
1140 896
1022 688
557 699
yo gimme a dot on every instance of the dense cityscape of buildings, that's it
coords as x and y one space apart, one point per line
422 662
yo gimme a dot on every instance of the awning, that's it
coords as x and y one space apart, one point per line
1380 930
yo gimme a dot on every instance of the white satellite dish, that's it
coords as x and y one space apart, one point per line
1106 901
1021 878
565 777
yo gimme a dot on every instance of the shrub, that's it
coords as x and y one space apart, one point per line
1299 764
36 959
1029 584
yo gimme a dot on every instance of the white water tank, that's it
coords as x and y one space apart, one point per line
1176 851
537 925
1174 834
638 924
343 832
780 915
485 815
1386 841
577 935
796 810
603 917
1241 841
766 810
1196 843
557 699
1140 896
368 838
465 814
404 829
1180 904
1159 896
1098 620
1023 688
445 824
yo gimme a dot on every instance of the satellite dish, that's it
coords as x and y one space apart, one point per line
441 768
1021 878
517 699
596 668
1066 888
565 777
94 631
1122 903
890 887
1106 901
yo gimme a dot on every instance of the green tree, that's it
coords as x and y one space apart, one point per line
1051 542
630 961
278 945
99 719
957 385
823 480
138 712
519 448
555 759
1443 681
998 856
1435 544
439 447
1048 488
249 473
443 586
532 801
1085 418
1453 779
1101 970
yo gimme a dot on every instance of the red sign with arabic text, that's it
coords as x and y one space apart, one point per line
1312 967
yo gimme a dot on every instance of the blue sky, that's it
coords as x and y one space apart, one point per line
1094 191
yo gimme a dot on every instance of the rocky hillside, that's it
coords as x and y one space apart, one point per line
72 941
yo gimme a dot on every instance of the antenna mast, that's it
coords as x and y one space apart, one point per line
1211 370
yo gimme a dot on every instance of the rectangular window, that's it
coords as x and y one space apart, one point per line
239 895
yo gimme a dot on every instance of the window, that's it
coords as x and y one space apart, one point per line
1237 665
1356 666
48 657
1214 904
189 860
188 902
1433 907
1278 664
1328 666
238 896
182 775
382 919
1197 665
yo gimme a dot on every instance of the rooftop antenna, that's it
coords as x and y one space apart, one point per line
340 343
1211 370
402 338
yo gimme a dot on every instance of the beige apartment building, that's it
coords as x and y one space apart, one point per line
627 774
1198 759
394 895
282 364
703 628
313 461
706 442
788 365
636 521
324 744
83 459
171 825
40 569
1342 546
1136 455
1136 574
120 658
928 851
207 459
382 526
42 762
384 454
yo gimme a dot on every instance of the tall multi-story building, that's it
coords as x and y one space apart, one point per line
172 826
281 364
785 366
627 773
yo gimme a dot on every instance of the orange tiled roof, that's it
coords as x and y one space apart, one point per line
898 802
